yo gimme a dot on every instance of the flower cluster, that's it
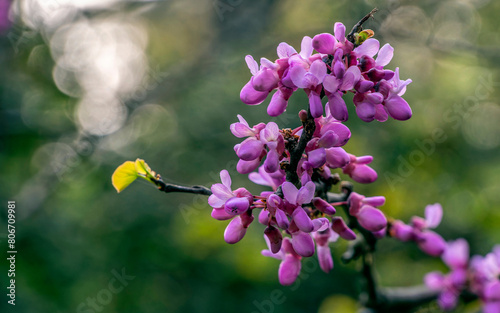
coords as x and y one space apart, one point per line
479 276
419 230
338 67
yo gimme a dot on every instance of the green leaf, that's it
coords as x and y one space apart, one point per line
363 35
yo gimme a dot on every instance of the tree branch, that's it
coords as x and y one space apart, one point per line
357 28
297 150
200 190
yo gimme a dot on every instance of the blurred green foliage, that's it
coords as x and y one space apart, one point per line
84 89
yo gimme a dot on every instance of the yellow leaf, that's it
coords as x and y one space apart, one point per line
124 175
143 169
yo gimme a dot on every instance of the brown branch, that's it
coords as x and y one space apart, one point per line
297 149
358 27
200 190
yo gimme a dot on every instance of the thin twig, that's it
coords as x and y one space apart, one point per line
200 190
357 28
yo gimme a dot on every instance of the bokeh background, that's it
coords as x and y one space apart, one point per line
87 85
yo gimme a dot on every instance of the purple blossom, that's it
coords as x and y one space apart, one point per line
365 211
358 169
456 256
296 198
419 230
323 238
290 265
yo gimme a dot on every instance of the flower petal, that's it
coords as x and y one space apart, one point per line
433 215
368 48
384 55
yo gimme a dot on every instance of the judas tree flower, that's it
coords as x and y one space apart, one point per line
419 231
359 170
456 256
262 82
310 80
327 43
341 228
273 180
337 83
485 280
232 202
369 217
290 265
237 228
272 138
323 238
296 198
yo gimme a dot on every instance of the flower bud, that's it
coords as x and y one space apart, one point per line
340 227
275 238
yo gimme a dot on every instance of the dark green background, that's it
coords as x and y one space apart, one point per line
73 229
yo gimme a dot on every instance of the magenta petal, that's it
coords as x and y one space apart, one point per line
492 291
456 255
365 111
323 206
281 219
284 50
433 215
241 130
371 218
434 281
315 104
263 217
338 108
321 224
340 227
324 43
364 174
385 55
221 214
302 220
398 108
303 244
336 157
325 258
328 139
401 231
340 130
306 193
251 96
339 31
381 114
369 48
331 83
491 307
317 157
374 201
275 238
271 164
277 105
290 192
234 231
448 299
364 85
265 81
250 149
431 243
236 206
289 270
246 167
